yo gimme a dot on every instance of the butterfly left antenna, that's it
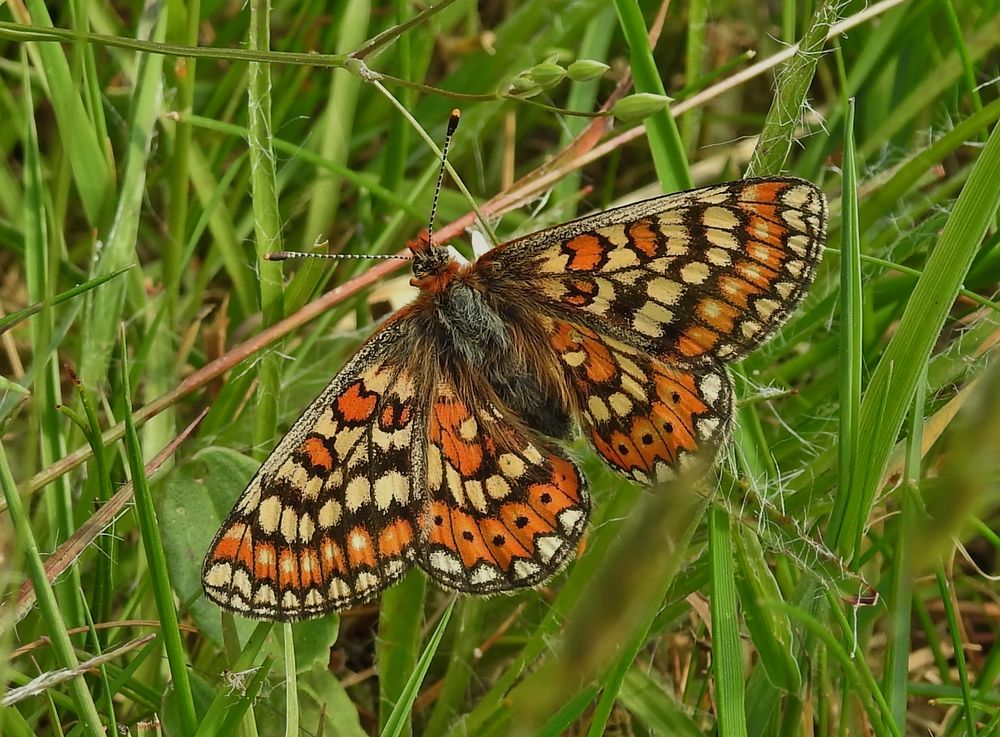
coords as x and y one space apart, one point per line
283 255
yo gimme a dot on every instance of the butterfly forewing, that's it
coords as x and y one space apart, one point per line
330 518
711 272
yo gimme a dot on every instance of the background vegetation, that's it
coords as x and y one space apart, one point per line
837 577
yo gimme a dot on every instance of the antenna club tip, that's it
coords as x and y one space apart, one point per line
275 256
453 120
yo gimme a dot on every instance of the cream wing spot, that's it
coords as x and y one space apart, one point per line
511 465
651 317
621 258
391 485
665 291
326 425
241 582
306 528
484 574
710 308
338 589
711 386
314 599
707 427
633 387
720 217
269 514
598 409
265 595
695 272
474 493
434 470
620 403
719 257
525 569
569 519
765 307
346 439
454 481
357 493
532 454
329 513
377 379
446 562
722 239
469 429
251 499
548 546
312 487
794 219
219 575
497 487
797 197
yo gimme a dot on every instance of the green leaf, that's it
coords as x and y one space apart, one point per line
198 496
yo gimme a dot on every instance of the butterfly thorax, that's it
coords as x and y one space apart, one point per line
478 329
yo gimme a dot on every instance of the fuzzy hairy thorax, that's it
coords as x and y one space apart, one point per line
475 325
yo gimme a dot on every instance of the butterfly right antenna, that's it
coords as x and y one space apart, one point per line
449 134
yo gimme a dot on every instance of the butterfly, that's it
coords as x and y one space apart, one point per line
440 443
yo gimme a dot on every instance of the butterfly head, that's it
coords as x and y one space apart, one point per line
433 265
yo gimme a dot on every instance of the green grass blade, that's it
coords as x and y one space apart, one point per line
727 653
399 716
466 639
947 598
225 701
9 321
900 598
90 168
851 333
105 306
335 127
266 221
664 139
655 708
55 628
398 645
793 82
156 558
899 369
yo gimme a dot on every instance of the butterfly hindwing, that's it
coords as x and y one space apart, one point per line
505 509
712 272
329 520
646 418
